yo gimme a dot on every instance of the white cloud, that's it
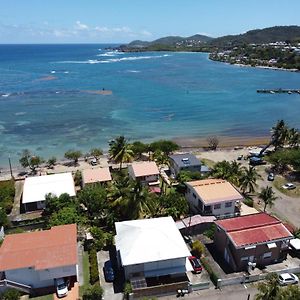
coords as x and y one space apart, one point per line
81 26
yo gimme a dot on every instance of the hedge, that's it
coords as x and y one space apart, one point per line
94 273
212 275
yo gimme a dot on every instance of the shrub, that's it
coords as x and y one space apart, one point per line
127 289
249 202
94 273
94 292
198 248
213 276
10 294
210 232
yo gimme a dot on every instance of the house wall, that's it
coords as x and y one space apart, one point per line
139 269
175 169
217 209
260 254
40 278
143 179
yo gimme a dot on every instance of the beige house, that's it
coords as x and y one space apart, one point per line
212 197
99 175
145 172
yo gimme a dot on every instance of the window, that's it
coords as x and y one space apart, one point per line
217 206
228 204
267 255
194 195
245 258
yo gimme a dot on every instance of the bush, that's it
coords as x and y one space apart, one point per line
212 275
198 248
249 202
94 273
10 294
94 292
7 193
210 232
127 289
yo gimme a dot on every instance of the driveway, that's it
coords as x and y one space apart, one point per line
108 287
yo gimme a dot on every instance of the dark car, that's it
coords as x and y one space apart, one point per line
195 262
256 161
108 271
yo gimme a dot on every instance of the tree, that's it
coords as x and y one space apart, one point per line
248 180
213 142
120 151
73 155
279 134
267 195
293 138
94 292
54 204
164 146
94 198
4 221
161 158
29 160
198 248
139 148
268 290
67 215
185 176
96 152
51 162
291 292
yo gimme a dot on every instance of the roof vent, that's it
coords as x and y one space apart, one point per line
186 160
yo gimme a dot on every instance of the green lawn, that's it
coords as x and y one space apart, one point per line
86 272
279 181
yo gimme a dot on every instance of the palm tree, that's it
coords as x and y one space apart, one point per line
120 151
268 290
248 180
267 195
293 137
279 134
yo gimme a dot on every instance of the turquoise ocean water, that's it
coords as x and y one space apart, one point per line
44 105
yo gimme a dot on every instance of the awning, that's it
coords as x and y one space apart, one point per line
295 243
272 245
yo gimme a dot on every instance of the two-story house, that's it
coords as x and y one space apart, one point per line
146 172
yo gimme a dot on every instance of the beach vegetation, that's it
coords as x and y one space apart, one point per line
96 153
268 197
213 142
51 162
120 150
165 146
73 155
284 159
7 193
30 161
139 149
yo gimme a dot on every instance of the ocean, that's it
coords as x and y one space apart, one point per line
51 101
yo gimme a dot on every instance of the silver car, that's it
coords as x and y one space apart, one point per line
287 278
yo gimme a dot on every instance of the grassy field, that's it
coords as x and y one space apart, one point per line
280 181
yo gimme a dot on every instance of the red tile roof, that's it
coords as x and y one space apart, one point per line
41 250
254 229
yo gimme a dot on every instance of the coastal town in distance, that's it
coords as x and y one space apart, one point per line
148 162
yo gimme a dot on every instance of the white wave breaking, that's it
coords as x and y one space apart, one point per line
112 60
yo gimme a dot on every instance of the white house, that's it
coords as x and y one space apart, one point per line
146 172
212 197
36 259
151 248
36 188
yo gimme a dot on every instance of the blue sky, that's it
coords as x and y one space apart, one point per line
88 21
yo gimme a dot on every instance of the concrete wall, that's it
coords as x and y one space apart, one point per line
40 278
199 206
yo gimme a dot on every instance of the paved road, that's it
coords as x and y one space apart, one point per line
234 292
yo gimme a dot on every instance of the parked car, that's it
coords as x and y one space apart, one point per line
289 186
94 162
108 271
240 157
61 287
255 161
287 278
271 176
196 264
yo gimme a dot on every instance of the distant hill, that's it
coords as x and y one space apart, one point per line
200 42
259 36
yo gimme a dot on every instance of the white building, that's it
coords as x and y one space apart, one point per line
36 188
151 248
36 259
215 197
146 172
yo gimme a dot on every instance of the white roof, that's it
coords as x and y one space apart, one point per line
36 188
295 243
149 240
